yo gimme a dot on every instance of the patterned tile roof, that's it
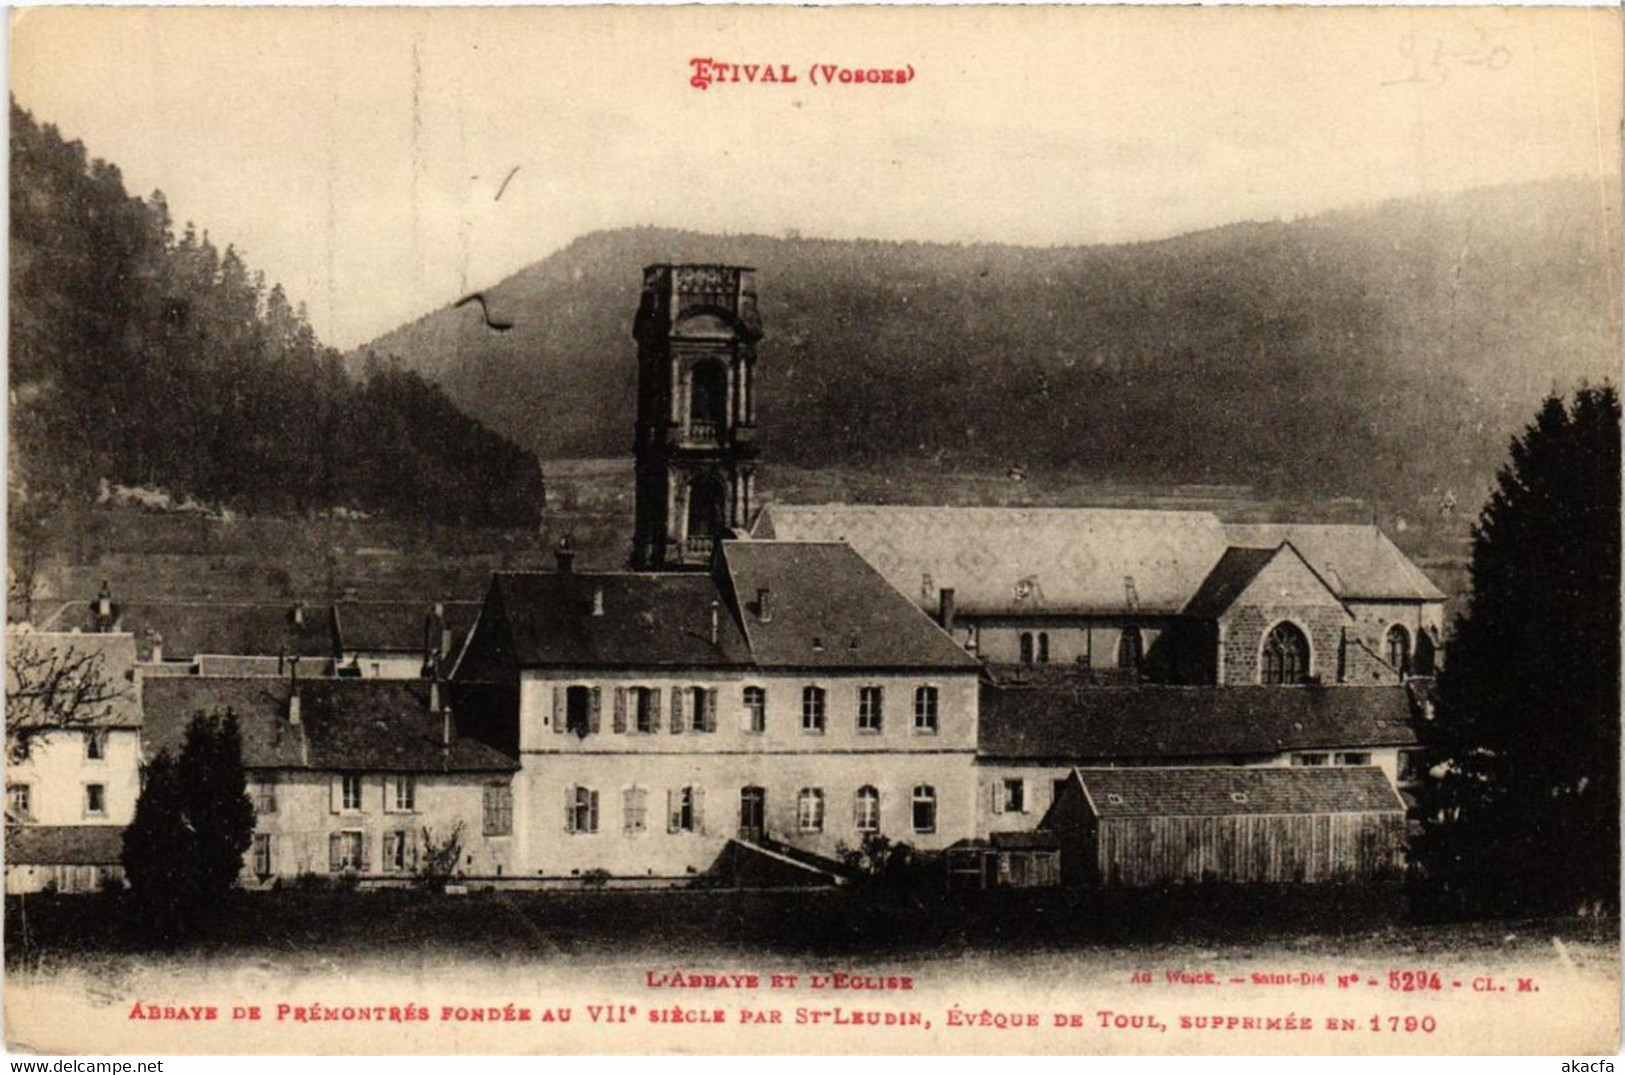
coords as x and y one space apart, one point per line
1356 560
1236 790
1020 560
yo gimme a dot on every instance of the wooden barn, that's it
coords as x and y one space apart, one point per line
1152 826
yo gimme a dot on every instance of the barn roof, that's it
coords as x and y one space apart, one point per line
64 845
1098 723
345 724
110 656
1238 790
1020 560
1356 560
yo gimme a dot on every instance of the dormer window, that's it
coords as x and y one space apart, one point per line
1397 648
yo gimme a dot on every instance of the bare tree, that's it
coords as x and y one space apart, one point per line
51 687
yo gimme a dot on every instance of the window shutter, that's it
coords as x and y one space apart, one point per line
412 839
366 852
619 725
997 796
389 851
626 809
335 799
558 710
595 711
698 794
592 811
1026 798
711 710
335 843
569 808
672 817
677 711
654 709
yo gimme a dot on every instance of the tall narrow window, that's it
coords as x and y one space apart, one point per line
869 709
1286 656
19 799
498 804
680 804
403 795
925 808
351 791
925 709
635 810
866 809
810 810
265 795
1399 649
1026 647
95 746
1043 647
1130 648
812 710
262 856
95 799
755 699
580 810
578 705
643 709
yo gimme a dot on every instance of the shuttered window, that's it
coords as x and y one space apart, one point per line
498 810
635 810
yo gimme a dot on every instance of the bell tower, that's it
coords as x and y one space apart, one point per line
696 447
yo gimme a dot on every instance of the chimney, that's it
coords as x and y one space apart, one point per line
293 694
945 614
598 601
104 608
565 555
764 605
434 695
445 629
298 613
156 640
716 620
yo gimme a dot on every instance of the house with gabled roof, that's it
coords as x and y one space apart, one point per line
353 777
787 698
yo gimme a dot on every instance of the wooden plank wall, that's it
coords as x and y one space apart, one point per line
1252 848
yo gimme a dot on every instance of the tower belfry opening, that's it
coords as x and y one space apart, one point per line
696 447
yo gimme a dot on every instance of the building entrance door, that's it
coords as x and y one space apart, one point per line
752 814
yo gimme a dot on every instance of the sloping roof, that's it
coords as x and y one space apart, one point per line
386 626
649 620
65 845
111 657
1019 560
830 609
1356 560
1237 790
345 724
1230 577
1101 723
188 628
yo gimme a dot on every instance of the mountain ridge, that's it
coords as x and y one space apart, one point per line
1383 347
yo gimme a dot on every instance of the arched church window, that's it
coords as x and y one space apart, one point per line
1286 656
707 401
1397 646
706 504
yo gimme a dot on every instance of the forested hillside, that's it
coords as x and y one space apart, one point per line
1383 352
143 357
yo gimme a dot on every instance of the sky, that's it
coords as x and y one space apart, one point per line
382 163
